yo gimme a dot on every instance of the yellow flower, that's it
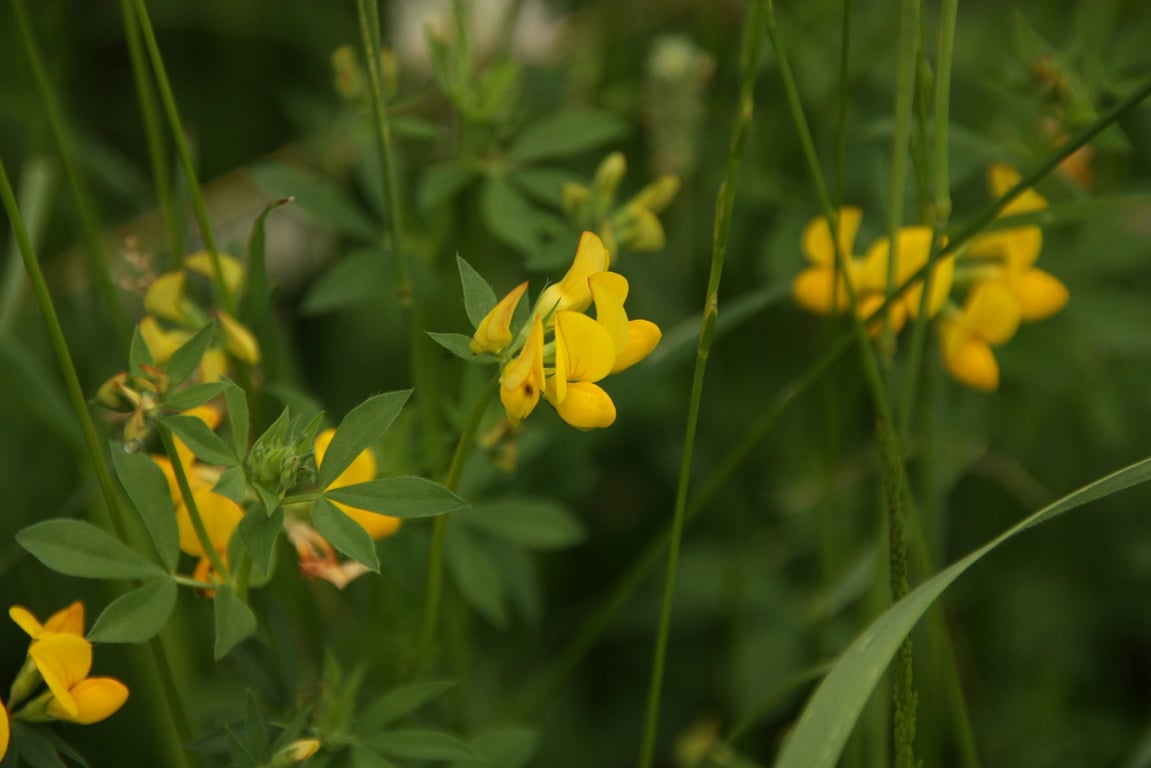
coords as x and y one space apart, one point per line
495 330
584 354
633 340
238 340
572 293
5 731
231 270
816 288
63 658
989 318
522 379
361 470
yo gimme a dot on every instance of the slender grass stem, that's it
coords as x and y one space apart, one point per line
198 526
177 715
153 131
37 182
435 576
725 203
69 159
199 206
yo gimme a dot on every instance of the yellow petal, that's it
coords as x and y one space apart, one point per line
213 365
63 661
165 295
378 526
68 621
231 269
1040 295
914 245
220 516
1001 178
25 620
609 291
161 343
991 312
870 304
573 293
361 470
816 238
971 362
96 698
642 338
816 291
586 406
585 346
5 731
522 379
942 276
238 340
495 330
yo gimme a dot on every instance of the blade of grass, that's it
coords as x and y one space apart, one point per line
725 203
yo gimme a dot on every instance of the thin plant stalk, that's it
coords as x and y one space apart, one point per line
725 203
199 206
37 182
69 158
178 717
435 577
153 131
190 503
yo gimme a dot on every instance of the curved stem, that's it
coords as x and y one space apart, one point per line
190 503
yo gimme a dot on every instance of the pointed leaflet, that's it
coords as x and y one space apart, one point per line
509 746
421 745
256 303
238 417
234 620
477 573
136 616
830 715
479 298
406 496
138 352
460 346
531 523
185 360
400 702
189 397
76 548
345 534
148 490
201 440
259 532
566 133
363 425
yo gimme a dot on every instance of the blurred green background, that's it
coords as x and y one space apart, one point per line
1052 635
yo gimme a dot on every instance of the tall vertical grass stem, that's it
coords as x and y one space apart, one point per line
177 714
725 202
199 206
89 222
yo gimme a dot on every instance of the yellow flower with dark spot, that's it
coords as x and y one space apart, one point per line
522 380
494 332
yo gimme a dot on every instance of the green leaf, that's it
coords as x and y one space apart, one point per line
238 417
365 758
136 616
545 185
363 425
201 440
421 745
460 346
345 534
186 359
232 484
830 715
565 133
32 744
76 548
234 620
317 196
354 279
270 501
510 217
147 487
529 523
256 303
441 183
197 394
406 496
479 298
259 532
507 747
400 702
138 352
476 573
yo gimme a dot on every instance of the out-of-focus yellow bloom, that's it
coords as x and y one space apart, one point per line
495 330
635 224
231 270
989 318
296 752
522 380
238 340
5 731
63 659
361 470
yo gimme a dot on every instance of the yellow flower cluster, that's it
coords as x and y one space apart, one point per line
59 658
997 269
582 350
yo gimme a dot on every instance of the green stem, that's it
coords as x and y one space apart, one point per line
157 149
89 222
178 716
37 183
435 576
190 503
199 206
725 203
